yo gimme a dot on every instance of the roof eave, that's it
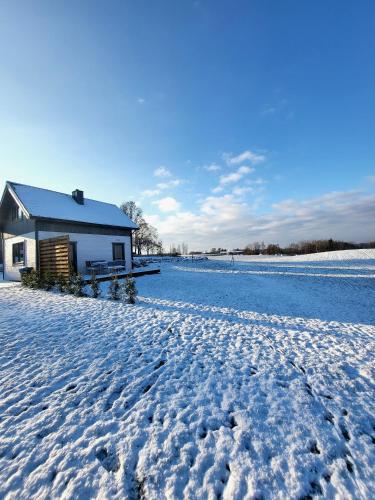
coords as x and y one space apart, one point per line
12 192
53 219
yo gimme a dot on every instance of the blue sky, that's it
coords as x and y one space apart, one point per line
229 122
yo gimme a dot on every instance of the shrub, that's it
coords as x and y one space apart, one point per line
70 283
25 278
47 281
114 289
76 284
95 286
62 283
129 290
34 280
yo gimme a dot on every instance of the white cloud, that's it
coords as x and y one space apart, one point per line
278 107
235 176
170 184
162 172
212 168
217 216
240 191
149 193
247 155
224 207
253 186
140 100
268 110
257 181
167 204
225 221
231 178
162 186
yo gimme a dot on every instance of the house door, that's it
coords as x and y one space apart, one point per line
118 251
73 255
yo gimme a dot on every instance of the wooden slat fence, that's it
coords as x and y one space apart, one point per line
54 255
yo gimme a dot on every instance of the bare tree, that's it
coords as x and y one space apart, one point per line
131 209
146 238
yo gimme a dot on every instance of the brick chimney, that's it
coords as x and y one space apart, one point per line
77 196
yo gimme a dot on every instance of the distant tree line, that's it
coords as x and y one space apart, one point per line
303 247
217 250
146 239
180 249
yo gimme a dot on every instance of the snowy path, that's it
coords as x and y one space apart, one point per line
172 399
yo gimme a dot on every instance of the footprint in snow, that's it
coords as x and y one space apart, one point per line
43 433
314 448
327 396
203 433
330 418
53 475
345 432
113 397
327 477
225 477
147 388
160 364
309 390
349 466
108 460
315 489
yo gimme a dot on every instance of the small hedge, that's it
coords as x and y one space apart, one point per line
75 285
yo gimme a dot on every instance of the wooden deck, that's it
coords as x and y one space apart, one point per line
134 273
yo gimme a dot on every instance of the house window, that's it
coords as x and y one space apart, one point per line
18 253
118 252
17 213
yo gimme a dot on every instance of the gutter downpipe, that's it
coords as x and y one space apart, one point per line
37 248
131 247
3 252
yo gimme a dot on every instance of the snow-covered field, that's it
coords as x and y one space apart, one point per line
224 381
362 254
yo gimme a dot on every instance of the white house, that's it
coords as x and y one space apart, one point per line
97 231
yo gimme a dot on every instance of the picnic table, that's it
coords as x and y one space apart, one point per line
115 269
104 267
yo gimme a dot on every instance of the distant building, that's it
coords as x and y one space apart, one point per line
236 251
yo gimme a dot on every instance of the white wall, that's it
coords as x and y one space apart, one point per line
93 247
11 272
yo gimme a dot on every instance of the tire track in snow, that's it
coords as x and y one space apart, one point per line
281 273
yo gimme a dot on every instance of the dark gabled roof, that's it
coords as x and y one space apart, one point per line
43 203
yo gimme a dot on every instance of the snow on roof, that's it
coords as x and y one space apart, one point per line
53 205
